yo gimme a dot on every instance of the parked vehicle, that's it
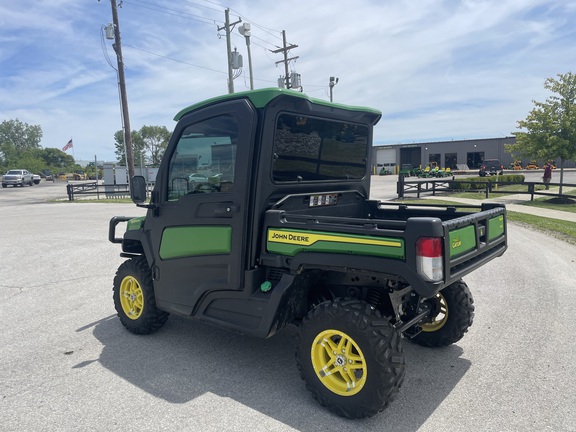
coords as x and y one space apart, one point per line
17 177
286 235
533 165
79 175
406 170
46 175
491 167
194 179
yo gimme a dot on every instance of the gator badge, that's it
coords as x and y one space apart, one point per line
456 242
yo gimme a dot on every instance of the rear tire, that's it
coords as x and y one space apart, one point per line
134 298
453 314
350 358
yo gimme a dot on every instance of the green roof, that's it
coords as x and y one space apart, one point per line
260 98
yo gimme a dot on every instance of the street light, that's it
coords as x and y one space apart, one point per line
244 30
332 84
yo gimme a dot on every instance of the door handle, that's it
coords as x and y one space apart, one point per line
226 210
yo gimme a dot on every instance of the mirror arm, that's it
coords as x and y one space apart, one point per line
147 206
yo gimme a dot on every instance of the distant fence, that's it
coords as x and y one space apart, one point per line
446 185
93 189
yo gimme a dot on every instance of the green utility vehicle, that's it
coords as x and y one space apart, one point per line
260 218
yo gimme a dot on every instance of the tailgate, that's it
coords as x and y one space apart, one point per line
472 240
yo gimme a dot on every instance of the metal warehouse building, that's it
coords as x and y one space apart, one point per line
457 154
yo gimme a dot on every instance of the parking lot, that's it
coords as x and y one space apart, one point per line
67 364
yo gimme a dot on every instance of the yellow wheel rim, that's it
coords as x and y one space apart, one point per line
440 319
131 297
338 362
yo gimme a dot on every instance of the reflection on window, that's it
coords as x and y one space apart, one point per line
204 159
308 149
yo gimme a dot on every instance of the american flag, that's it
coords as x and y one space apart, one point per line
67 146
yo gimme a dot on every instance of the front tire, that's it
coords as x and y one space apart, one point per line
134 298
453 314
350 357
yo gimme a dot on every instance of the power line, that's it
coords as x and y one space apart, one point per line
186 63
173 12
203 6
172 59
105 49
204 20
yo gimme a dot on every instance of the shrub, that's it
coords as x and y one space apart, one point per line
478 183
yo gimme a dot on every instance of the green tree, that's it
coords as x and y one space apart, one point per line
56 159
550 128
137 147
149 144
16 137
156 140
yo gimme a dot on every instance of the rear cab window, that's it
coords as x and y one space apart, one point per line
315 149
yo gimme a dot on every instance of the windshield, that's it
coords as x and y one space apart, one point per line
14 172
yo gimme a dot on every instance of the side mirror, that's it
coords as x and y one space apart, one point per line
138 189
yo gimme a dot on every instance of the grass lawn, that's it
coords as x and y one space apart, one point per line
553 204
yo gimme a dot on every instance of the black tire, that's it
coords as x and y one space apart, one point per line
134 298
368 342
4 185
453 315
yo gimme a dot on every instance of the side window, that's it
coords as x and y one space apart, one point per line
204 158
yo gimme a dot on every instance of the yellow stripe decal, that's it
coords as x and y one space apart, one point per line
304 238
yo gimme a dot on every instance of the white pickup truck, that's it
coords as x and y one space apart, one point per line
17 177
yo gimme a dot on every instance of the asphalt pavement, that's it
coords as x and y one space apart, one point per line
67 364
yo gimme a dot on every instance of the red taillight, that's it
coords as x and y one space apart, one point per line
429 258
429 247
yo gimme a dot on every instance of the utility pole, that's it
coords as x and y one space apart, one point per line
226 27
285 50
123 98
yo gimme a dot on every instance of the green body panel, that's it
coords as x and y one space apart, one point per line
496 227
135 223
462 240
178 242
291 242
260 98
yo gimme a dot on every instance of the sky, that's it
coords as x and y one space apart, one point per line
437 69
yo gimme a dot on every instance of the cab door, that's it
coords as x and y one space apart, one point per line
198 230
